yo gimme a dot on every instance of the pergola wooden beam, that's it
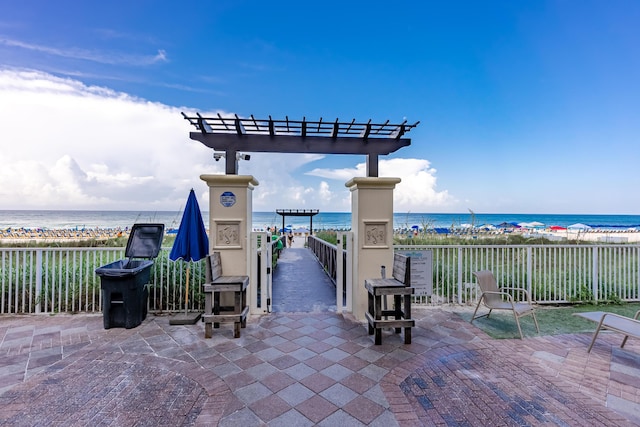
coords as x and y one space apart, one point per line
235 134
295 144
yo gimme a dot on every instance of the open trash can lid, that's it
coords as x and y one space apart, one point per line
144 241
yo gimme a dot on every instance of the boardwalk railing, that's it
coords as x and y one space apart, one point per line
326 254
53 280
336 265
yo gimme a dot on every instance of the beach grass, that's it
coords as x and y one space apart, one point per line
552 320
428 239
114 242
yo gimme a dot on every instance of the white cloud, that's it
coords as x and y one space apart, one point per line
89 55
161 56
66 145
417 190
70 146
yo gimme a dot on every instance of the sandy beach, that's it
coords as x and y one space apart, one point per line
601 236
18 235
66 235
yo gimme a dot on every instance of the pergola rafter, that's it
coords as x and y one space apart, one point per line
235 134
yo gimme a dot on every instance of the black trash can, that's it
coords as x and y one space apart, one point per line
123 282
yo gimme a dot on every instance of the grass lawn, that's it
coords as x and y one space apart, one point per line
552 320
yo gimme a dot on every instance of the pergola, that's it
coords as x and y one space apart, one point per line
234 135
298 212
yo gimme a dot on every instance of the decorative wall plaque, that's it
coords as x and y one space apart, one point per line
227 234
375 234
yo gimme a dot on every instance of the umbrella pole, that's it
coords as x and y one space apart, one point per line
186 291
186 318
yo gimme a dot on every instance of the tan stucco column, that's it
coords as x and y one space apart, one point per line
372 226
230 220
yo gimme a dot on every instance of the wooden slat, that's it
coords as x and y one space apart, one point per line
336 129
390 323
402 269
214 267
272 129
239 126
366 131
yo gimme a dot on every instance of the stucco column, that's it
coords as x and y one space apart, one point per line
230 220
372 226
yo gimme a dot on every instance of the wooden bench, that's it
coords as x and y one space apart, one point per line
398 286
614 322
216 285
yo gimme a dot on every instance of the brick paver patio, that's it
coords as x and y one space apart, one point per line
317 368
308 369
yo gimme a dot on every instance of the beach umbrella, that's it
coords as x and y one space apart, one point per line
191 244
578 226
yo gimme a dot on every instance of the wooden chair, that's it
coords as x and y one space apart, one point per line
216 285
398 286
495 298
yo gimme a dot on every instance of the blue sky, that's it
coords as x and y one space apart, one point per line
525 107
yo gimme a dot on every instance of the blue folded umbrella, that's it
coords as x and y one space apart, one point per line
192 243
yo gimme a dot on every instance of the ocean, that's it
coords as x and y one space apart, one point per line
56 219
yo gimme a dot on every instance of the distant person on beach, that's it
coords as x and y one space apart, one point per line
290 238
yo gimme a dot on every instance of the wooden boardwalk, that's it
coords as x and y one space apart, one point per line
300 284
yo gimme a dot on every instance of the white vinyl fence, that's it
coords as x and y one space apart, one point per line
553 274
63 280
57 280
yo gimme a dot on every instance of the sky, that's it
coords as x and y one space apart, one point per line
524 107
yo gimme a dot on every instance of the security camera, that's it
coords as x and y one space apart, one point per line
244 156
218 156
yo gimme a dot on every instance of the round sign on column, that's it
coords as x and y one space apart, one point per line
227 199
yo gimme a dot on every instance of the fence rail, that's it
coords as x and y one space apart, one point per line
52 280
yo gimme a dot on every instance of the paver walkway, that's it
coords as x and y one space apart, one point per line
317 368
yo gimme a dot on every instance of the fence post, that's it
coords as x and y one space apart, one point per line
38 280
460 276
351 272
595 274
529 270
340 236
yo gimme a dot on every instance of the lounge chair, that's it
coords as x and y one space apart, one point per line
613 322
495 298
